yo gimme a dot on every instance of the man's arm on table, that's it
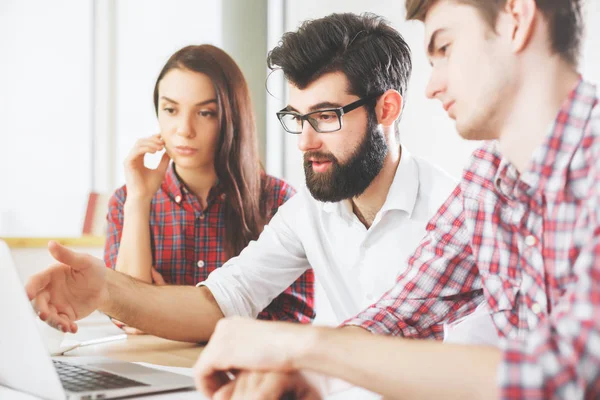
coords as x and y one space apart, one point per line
244 286
441 284
400 368
183 313
80 283
559 358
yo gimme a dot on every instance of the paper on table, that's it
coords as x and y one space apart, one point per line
69 345
94 329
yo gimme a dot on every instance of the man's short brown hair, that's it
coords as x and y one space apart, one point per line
565 20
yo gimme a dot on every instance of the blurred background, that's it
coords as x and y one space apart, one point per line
76 81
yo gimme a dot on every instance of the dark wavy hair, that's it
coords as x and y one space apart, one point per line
371 53
237 163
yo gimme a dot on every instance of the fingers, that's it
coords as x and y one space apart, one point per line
273 385
152 144
65 323
137 154
268 386
49 314
258 385
208 380
142 146
69 257
133 331
164 163
226 392
157 278
154 140
37 283
40 305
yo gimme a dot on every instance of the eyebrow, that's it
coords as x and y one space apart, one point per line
319 106
202 103
431 45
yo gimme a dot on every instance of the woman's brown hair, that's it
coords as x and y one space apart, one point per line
237 163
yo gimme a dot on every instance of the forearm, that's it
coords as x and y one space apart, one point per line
401 368
183 313
135 253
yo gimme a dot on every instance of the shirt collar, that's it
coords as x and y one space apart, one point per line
402 194
172 184
549 166
177 190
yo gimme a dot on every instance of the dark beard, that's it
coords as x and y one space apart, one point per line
344 181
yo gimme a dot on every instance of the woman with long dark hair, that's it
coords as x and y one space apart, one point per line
179 222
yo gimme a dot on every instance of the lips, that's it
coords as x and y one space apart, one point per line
448 105
185 150
321 166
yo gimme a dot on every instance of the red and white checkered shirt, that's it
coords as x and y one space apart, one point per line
528 245
187 242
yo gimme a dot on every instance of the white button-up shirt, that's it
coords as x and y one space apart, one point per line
353 265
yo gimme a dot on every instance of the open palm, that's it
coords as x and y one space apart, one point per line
68 290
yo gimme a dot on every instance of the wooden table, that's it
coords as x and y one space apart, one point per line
144 348
136 348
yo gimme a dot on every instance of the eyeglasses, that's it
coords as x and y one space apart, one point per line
323 121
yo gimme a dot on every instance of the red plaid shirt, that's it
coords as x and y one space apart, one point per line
528 245
188 242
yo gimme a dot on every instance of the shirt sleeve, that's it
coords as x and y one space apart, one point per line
114 227
441 284
248 283
296 303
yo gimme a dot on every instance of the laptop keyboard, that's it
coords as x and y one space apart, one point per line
80 379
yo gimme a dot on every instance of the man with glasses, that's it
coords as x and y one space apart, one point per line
366 207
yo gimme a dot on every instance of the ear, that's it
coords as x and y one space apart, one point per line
389 107
522 19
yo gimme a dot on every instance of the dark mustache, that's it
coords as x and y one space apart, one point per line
319 156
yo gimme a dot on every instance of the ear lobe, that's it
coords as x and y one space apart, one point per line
522 14
389 107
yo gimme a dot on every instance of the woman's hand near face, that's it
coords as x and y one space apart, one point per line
142 182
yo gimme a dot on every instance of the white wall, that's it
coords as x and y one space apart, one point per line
245 39
29 261
45 103
590 63
46 91
425 129
69 119
148 33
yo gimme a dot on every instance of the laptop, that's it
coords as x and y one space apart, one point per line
26 365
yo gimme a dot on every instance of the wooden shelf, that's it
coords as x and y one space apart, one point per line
42 242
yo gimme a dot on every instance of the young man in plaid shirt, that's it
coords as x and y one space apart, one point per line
521 233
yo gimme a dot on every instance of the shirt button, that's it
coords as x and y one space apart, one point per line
530 240
536 308
200 264
178 199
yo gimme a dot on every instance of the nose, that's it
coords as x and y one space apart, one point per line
437 83
309 139
185 126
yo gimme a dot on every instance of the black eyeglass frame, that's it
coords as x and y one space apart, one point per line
340 111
